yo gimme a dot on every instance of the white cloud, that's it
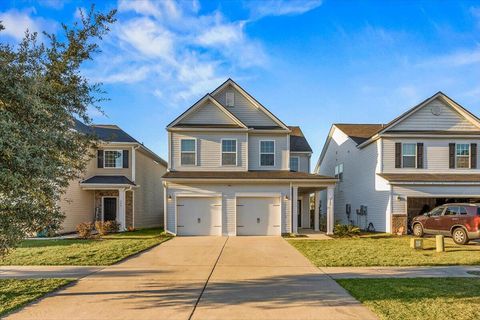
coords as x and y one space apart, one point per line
17 22
456 59
265 8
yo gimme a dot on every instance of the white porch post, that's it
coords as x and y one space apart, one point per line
330 215
294 209
316 217
121 208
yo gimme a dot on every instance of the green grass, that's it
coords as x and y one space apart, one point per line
384 250
16 293
105 251
419 298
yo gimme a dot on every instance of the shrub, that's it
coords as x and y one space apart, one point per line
85 229
100 227
111 226
130 228
346 230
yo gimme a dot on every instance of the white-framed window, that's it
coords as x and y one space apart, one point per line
113 159
188 152
267 153
229 152
462 155
339 171
294 164
409 155
230 98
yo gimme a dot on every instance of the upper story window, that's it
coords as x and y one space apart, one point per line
339 171
188 152
267 153
294 164
229 98
113 159
229 152
409 155
462 155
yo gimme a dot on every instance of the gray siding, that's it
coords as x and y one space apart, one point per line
303 161
207 114
244 110
282 154
228 192
424 119
209 152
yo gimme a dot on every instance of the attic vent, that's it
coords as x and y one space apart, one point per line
230 99
436 111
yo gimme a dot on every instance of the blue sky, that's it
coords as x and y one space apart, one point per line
312 63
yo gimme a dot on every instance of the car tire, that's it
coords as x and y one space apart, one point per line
418 230
459 236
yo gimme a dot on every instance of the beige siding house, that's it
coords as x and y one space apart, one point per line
122 182
390 173
236 169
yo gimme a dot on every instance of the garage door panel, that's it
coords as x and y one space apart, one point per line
258 216
199 216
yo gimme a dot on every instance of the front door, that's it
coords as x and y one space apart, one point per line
299 211
109 209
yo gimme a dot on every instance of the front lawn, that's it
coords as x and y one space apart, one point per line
16 293
105 251
384 250
419 298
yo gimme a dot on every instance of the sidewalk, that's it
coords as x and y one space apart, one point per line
37 272
400 272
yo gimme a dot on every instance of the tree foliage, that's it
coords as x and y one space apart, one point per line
41 91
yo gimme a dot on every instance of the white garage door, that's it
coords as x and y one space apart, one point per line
258 216
199 216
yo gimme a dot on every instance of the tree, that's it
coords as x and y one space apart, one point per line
41 92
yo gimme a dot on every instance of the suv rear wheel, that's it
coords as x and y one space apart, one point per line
459 236
418 230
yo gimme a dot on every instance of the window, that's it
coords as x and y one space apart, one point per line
339 171
409 155
463 210
294 164
229 98
451 211
462 155
267 153
436 211
113 159
188 152
229 152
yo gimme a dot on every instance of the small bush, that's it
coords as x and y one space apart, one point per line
111 226
346 230
131 229
100 227
85 229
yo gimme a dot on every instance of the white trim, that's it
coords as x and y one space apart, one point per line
441 183
175 129
196 154
415 144
117 208
134 150
316 182
228 152
260 153
105 158
165 205
469 155
258 194
298 163
247 151
196 195
96 186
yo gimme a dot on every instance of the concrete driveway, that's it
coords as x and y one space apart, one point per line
205 278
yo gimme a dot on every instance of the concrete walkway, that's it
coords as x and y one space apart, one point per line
400 272
41 272
205 278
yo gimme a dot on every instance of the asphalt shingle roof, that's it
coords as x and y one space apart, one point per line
108 180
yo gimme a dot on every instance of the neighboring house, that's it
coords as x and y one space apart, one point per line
390 173
122 182
236 169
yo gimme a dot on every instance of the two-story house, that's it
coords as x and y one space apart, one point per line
389 173
236 169
122 182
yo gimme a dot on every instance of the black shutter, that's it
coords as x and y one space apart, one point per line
420 155
451 155
473 156
125 158
100 158
398 155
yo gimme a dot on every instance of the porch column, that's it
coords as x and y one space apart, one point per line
294 209
121 209
330 215
316 217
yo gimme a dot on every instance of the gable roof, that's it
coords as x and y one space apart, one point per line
298 142
252 100
208 97
360 132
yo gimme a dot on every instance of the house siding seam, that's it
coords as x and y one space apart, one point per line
207 114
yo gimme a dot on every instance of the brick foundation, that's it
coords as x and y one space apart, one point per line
399 224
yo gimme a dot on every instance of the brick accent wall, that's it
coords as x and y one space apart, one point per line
129 209
98 200
399 224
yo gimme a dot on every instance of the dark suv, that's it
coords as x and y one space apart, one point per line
461 221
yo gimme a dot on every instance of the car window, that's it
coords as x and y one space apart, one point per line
463 210
436 211
451 211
